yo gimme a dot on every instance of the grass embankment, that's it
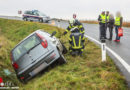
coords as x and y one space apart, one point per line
86 72
125 24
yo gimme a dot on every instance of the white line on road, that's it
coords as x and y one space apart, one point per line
127 66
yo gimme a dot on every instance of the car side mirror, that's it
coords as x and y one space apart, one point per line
54 33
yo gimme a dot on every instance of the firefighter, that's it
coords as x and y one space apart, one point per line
74 24
77 36
102 23
76 41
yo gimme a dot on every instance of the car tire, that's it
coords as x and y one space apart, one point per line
41 20
25 19
64 49
61 59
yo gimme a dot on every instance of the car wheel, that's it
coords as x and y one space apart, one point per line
61 59
64 49
25 19
41 20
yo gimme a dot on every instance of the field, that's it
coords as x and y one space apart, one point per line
86 72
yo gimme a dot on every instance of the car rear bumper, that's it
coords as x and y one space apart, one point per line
39 66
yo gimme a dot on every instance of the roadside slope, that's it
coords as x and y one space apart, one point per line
86 72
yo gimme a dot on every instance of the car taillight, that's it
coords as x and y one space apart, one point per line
44 41
44 44
15 65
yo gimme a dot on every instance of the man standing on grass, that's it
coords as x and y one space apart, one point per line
102 23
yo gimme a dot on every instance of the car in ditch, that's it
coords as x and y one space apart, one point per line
36 52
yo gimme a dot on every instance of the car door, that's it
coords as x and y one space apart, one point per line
35 16
29 15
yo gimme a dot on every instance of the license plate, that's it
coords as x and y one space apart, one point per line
38 69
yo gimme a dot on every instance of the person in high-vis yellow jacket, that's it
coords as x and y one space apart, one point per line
118 24
102 22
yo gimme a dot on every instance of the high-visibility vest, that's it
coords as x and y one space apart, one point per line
108 17
117 21
103 17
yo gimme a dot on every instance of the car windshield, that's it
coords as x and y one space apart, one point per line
25 46
41 14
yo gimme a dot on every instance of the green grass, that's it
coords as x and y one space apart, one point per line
86 72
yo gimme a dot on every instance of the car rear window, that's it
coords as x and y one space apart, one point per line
25 46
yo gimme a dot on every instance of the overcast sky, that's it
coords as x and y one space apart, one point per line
85 9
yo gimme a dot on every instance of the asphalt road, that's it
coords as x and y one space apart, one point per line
92 30
122 48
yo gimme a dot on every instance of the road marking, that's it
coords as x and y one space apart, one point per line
127 66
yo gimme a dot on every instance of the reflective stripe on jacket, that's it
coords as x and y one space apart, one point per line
80 28
77 40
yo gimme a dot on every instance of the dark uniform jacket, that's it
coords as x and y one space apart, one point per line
111 23
77 40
